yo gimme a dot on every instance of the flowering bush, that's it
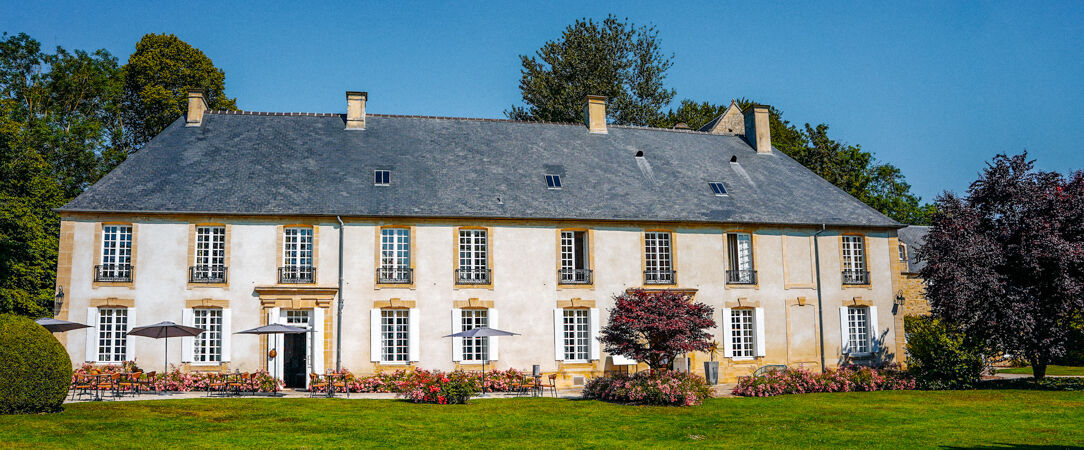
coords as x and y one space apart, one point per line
177 380
442 388
402 381
660 387
844 379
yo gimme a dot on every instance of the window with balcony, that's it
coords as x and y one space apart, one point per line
854 260
116 260
739 269
297 256
210 258
658 259
575 262
395 256
473 257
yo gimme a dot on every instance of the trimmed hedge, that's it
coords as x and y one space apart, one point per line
35 370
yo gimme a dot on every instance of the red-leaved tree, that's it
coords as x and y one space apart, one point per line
1006 263
655 327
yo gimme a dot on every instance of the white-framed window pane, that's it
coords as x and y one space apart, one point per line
742 333
858 329
208 344
903 252
576 334
472 250
657 257
853 253
395 335
112 334
395 248
297 247
475 349
116 251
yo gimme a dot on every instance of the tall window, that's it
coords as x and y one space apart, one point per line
395 335
903 252
473 257
112 334
740 259
210 263
575 265
577 330
116 252
854 261
208 344
657 258
297 247
742 333
475 349
858 329
395 256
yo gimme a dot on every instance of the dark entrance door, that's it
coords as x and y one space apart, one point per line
293 363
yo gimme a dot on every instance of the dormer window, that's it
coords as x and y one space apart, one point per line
381 178
553 181
717 188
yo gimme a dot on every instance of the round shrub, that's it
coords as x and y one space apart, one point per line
35 370
659 387
940 356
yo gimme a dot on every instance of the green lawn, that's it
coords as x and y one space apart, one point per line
1050 370
877 419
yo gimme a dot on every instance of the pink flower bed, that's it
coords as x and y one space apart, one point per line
403 381
844 379
177 380
660 387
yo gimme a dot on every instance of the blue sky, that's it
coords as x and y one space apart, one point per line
936 88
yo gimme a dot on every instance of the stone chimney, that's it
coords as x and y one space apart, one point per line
355 109
197 105
594 114
757 131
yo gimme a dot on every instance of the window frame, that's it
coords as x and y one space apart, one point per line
734 260
115 338
576 334
211 337
855 327
721 191
584 258
554 182
848 260
115 252
395 336
650 241
474 350
746 319
381 177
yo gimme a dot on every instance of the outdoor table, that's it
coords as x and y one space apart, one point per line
97 383
329 379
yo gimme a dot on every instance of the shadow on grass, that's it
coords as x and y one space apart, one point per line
1000 445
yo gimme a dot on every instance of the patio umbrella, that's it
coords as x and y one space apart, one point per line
59 326
275 328
482 332
165 330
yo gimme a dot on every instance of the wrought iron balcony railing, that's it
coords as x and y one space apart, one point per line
472 276
574 276
207 274
659 277
113 273
297 275
741 276
852 276
395 275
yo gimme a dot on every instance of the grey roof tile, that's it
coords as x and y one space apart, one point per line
307 164
914 236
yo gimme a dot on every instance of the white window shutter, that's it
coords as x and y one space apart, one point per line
374 335
558 334
413 332
845 346
92 335
759 318
318 340
129 343
188 343
227 334
874 335
274 316
494 342
728 335
593 343
457 342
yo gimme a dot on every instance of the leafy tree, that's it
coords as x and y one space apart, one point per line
655 327
1006 263
156 83
614 58
691 113
940 356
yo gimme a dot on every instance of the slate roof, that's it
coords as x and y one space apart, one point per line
914 236
278 164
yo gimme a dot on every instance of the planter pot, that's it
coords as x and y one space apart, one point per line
711 372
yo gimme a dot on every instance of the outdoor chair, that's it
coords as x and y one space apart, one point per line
341 385
109 383
552 386
216 383
316 384
147 384
130 383
82 385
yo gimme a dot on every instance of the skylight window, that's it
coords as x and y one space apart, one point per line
553 181
717 188
381 178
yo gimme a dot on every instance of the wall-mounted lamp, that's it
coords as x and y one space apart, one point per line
58 300
900 299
